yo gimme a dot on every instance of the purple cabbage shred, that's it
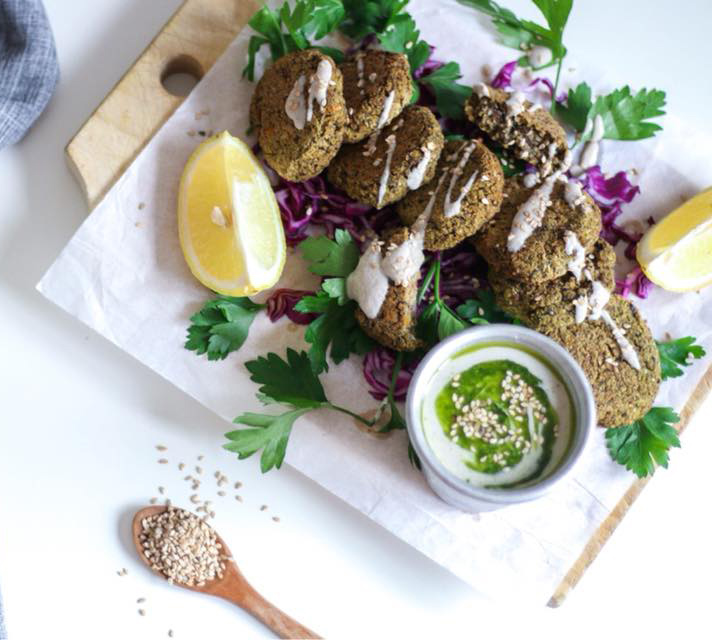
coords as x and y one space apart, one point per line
281 303
378 371
635 282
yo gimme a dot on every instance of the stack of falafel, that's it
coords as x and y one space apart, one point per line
355 121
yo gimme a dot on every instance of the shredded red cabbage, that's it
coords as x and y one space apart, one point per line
282 302
635 282
503 80
378 371
617 187
430 65
315 202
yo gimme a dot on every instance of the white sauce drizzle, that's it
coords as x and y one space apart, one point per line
598 299
581 305
573 193
481 90
402 263
294 105
452 207
318 87
530 214
383 185
574 248
367 284
530 180
589 155
627 350
417 173
386 111
539 56
515 104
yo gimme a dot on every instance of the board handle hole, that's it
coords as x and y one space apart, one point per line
180 75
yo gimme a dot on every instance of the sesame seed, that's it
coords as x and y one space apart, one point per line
162 461
140 600
198 470
181 466
238 498
275 518
263 507
142 612
221 493
161 490
238 485
161 447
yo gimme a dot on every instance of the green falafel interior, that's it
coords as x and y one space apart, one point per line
446 289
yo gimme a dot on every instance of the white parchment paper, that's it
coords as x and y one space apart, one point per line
123 274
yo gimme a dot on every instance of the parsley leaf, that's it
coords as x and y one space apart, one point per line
525 34
337 257
450 97
484 310
624 113
645 443
308 18
678 353
402 36
290 381
365 17
270 433
221 326
335 331
578 106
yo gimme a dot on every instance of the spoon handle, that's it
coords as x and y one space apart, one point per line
284 626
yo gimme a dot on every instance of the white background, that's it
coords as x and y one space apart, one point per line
79 419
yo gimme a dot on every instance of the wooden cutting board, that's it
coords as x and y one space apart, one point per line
190 42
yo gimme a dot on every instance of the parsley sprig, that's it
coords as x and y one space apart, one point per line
290 382
437 321
221 326
645 443
678 353
524 34
290 29
625 114
335 331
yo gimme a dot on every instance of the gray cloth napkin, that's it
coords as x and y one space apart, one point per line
28 68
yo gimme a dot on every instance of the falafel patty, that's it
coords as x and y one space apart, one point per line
377 86
525 130
394 326
402 156
543 253
525 301
465 192
299 115
623 393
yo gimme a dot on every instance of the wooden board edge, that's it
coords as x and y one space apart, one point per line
608 526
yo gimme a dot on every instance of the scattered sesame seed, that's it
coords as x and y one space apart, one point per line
198 470
161 447
153 501
238 485
162 461
181 466
238 498
221 493
142 612
161 490
200 458
140 600
263 507
275 518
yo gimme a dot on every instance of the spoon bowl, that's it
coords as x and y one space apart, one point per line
232 586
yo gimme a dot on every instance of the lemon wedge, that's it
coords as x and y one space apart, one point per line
676 253
230 229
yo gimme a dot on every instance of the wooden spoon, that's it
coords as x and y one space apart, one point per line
232 587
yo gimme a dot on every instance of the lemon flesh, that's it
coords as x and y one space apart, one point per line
229 224
676 253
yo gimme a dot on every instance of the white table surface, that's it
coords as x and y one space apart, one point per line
79 420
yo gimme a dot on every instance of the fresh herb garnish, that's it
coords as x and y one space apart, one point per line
625 114
645 443
221 326
437 321
366 17
327 257
307 19
678 353
450 97
484 310
402 36
335 332
525 34
291 382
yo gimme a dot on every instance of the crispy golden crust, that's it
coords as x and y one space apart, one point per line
531 135
366 93
543 256
523 300
394 326
358 168
622 394
478 206
297 154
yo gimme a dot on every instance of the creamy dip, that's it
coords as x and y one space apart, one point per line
498 415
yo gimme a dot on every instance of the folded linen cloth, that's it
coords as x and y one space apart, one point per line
28 66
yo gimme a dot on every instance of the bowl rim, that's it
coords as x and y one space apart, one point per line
572 375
